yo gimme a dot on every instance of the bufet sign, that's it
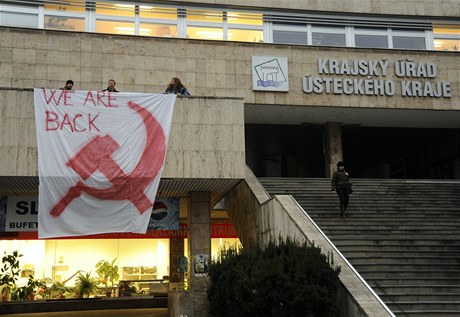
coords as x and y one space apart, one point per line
100 159
21 214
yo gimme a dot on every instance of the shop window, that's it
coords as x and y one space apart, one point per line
162 30
446 37
105 8
64 23
289 37
115 27
204 33
245 35
157 12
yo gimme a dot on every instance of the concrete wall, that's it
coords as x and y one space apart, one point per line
405 7
257 218
39 58
206 140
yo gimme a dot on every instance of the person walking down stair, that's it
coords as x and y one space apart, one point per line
340 183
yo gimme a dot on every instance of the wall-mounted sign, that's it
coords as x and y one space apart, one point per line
22 214
406 77
270 73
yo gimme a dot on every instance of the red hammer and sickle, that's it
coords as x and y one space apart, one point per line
96 155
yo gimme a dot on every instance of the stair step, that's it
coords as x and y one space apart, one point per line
403 236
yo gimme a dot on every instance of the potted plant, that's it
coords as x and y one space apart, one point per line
108 272
27 292
85 285
9 274
58 290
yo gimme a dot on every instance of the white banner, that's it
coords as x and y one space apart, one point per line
100 159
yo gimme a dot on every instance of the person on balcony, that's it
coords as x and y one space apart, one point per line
176 87
68 85
111 86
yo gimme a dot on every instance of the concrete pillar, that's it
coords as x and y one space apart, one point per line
176 250
200 249
333 146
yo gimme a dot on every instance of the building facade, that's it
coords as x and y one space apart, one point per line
304 84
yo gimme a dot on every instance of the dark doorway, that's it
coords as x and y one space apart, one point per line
284 150
403 153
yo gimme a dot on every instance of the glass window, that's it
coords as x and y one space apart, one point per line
162 30
453 30
319 38
245 35
205 16
244 18
205 33
447 45
375 41
126 10
115 27
28 20
446 37
64 23
289 37
157 12
69 6
417 43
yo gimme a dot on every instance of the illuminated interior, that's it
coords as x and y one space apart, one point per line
105 8
157 12
204 16
244 18
245 35
64 23
446 45
116 27
72 6
163 30
205 33
59 259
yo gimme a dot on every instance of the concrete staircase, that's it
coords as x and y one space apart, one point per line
402 236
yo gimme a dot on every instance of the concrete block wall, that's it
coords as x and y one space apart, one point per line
44 58
405 7
206 140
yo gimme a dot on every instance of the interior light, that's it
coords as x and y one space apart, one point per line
124 6
130 30
211 34
438 43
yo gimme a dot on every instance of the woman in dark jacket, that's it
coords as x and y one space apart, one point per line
340 183
176 87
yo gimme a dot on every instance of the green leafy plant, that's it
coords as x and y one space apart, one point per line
57 291
27 291
9 272
108 272
85 285
285 278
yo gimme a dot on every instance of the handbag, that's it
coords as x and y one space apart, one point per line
350 188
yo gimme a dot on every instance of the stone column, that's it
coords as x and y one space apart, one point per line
200 249
333 146
176 250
